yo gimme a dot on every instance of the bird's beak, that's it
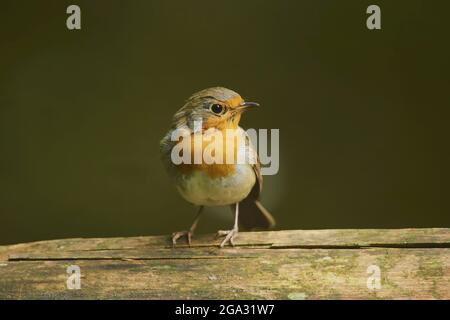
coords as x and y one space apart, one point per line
248 105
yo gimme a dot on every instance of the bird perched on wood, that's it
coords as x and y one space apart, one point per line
207 183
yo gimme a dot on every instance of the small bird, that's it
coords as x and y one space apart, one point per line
237 184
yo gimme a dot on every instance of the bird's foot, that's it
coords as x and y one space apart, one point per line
180 234
229 235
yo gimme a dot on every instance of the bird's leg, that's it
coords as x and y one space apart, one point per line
188 234
230 235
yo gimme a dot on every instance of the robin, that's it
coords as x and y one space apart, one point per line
234 183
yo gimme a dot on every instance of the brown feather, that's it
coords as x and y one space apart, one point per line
252 214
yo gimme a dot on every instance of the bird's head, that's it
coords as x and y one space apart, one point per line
216 107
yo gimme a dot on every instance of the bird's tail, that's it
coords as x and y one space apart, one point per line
253 215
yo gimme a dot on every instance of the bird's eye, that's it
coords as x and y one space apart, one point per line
217 108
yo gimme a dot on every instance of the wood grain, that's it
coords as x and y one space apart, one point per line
294 264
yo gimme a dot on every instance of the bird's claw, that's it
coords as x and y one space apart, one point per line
180 234
229 235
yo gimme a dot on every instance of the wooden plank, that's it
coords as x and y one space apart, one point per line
297 264
276 239
267 274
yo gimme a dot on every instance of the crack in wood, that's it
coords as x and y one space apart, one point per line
375 245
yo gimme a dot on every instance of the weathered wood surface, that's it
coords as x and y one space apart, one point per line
298 264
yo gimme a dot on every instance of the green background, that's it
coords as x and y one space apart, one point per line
363 115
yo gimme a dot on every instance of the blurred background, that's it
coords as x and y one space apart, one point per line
363 115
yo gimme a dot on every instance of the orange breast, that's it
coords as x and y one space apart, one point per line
218 153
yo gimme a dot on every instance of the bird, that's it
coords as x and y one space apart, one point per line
237 184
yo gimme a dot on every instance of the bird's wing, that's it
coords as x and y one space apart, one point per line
253 214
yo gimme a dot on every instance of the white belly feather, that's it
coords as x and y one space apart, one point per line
200 189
